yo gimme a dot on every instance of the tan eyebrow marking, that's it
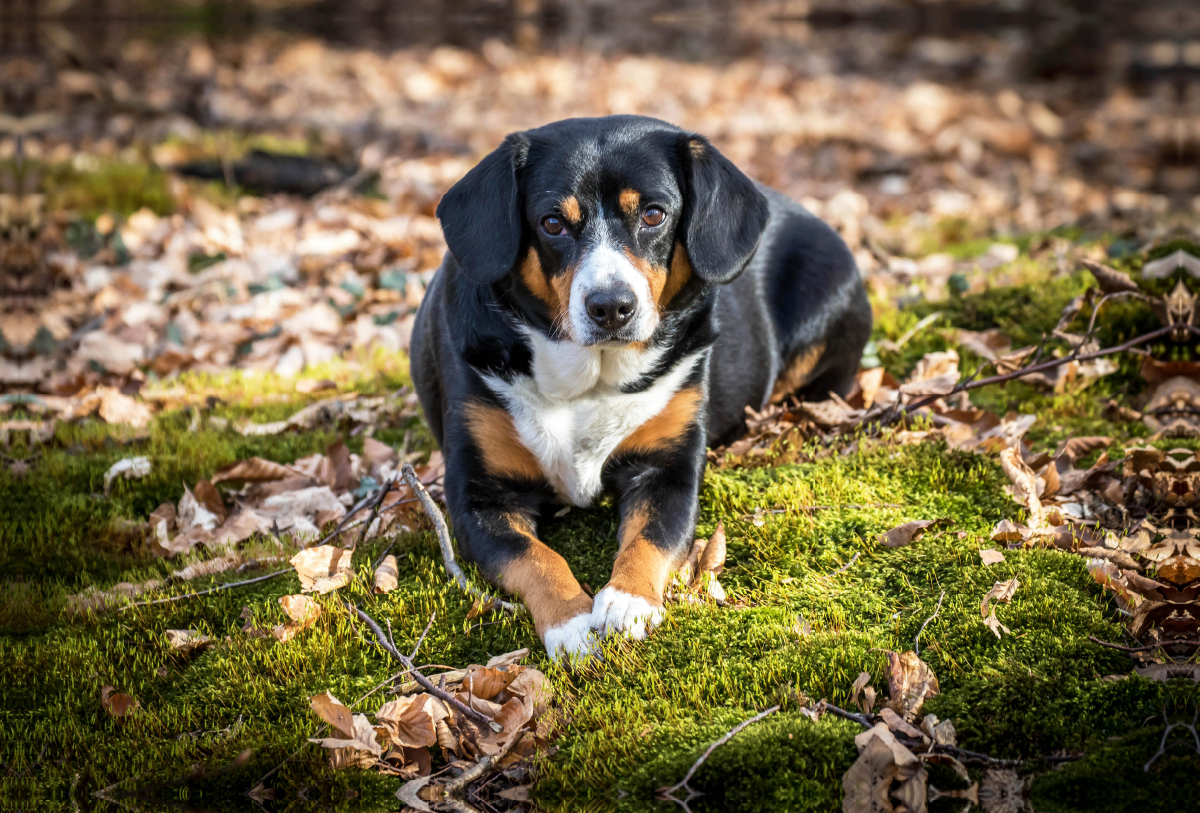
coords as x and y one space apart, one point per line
569 206
631 202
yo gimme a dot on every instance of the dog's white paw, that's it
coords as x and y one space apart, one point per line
572 639
617 611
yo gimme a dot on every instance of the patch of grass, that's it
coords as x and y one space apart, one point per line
635 721
110 186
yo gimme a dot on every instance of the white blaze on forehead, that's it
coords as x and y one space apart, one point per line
607 266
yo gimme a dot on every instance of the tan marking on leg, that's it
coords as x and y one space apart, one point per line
503 453
569 206
543 580
655 275
642 568
667 427
631 202
797 372
680 273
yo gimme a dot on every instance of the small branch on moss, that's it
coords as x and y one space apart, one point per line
861 719
936 610
1162 745
216 589
471 714
1146 648
846 566
480 768
668 794
376 504
421 640
443 535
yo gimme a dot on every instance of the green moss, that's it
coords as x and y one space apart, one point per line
635 721
111 186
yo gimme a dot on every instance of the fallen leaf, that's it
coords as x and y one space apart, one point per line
1001 591
323 569
1024 484
894 722
910 682
360 750
988 344
907 533
130 468
1002 791
116 704
943 384
991 556
117 408
1008 531
187 641
302 611
867 783
411 721
861 685
993 623
712 557
208 496
387 575
1110 280
334 712
252 470
191 513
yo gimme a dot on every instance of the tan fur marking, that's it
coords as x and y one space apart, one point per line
655 275
797 372
544 581
667 427
569 207
680 273
499 445
696 147
642 567
535 281
631 202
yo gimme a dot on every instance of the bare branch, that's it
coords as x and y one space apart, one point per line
216 589
917 640
669 793
443 535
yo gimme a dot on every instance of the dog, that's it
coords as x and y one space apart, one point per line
615 294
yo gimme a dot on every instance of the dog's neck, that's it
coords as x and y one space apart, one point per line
564 370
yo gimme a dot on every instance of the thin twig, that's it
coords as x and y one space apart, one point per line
471 714
668 793
452 789
421 640
861 719
382 493
846 566
1146 648
1162 746
216 589
936 610
443 535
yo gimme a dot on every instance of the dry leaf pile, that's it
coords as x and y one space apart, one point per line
515 698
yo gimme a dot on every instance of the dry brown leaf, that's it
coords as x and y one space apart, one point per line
187 641
487 682
1002 791
334 712
1008 531
1024 485
712 557
994 624
252 470
118 408
192 514
1001 591
302 611
991 556
387 575
988 344
943 384
867 783
208 496
860 684
910 682
1110 280
116 704
361 749
379 456
895 723
411 722
323 569
907 533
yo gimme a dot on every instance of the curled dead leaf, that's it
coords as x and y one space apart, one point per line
1001 591
990 556
302 611
712 557
334 712
1008 531
387 575
117 705
323 569
910 682
907 533
187 641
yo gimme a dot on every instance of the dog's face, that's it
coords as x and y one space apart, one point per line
600 223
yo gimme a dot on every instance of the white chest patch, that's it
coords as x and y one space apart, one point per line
572 414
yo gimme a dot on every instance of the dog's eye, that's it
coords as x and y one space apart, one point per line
653 216
552 225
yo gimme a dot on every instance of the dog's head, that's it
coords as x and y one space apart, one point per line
600 223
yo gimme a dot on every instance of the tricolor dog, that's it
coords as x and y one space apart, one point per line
616 292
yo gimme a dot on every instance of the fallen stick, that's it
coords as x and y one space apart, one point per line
1146 648
471 714
667 794
216 589
846 566
443 535
936 610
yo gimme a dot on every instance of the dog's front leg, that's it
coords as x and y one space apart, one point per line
657 473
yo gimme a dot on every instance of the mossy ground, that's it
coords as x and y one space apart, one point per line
637 721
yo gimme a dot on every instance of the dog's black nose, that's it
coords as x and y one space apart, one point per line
611 308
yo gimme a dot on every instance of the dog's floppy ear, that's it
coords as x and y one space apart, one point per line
724 214
481 214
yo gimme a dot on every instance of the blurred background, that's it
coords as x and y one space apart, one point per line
200 186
